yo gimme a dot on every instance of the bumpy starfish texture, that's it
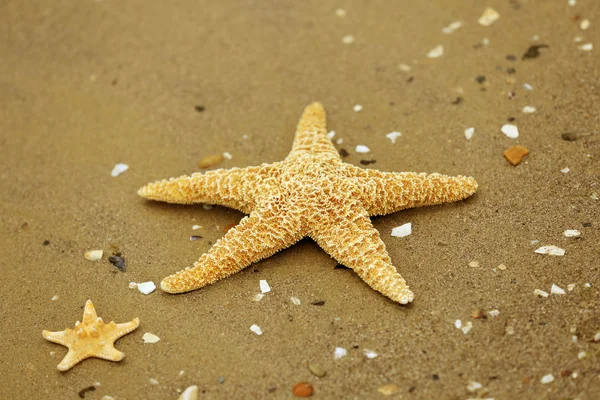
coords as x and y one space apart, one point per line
90 338
311 193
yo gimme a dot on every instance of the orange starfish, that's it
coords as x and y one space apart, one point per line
311 193
91 338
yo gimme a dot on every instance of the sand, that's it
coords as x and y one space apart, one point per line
86 85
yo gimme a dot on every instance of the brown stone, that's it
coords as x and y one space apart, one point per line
303 389
515 154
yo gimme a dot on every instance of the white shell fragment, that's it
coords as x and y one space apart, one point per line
565 170
539 292
348 39
582 354
256 329
361 148
557 290
295 301
488 17
586 47
572 233
119 169
527 86
469 132
458 324
93 255
474 386
494 313
331 135
357 108
370 354
55 297
468 326
585 24
547 378
393 136
551 250
153 381
196 227
227 155
258 297
402 230
264 286
150 338
339 353
452 27
436 52
529 109
146 287
191 393
510 130
570 287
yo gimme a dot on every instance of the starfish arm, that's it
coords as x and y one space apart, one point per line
352 240
115 331
61 337
109 353
311 134
263 233
387 192
71 359
234 188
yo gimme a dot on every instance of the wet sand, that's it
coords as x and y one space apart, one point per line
89 84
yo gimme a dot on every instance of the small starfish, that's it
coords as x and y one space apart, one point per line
311 193
91 338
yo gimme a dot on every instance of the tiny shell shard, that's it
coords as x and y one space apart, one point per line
210 161
551 250
93 255
488 17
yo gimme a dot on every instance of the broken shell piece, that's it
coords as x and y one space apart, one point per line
402 230
510 130
547 378
515 154
357 108
474 386
452 27
295 301
540 293
551 250
150 338
316 370
388 390
256 329
474 264
93 255
146 287
469 132
370 354
468 326
436 52
210 161
557 290
585 24
119 169
565 170
191 393
348 39
339 352
586 47
258 297
529 109
393 136
488 17
264 286
572 233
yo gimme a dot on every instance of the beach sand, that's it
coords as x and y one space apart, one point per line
159 85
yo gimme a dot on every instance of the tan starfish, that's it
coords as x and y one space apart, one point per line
91 338
311 193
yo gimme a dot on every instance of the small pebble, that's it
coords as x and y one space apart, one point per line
547 378
55 297
597 337
488 17
570 287
551 250
256 329
146 287
582 354
529 109
458 324
221 379
557 290
515 154
510 130
227 155
340 12
316 370
469 132
357 108
153 381
264 286
388 390
393 136
258 297
494 313
150 338
117 261
502 267
540 293
452 27
303 389
119 169
362 149
331 135
586 47
572 233
585 24
339 352
196 227
93 255
402 230
295 301
210 161
436 52
474 264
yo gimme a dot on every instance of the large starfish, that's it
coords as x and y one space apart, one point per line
311 193
91 338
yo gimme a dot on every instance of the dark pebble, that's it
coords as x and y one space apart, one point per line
344 153
367 162
587 224
199 108
318 303
511 119
435 377
511 70
511 57
117 261
82 392
411 389
410 79
458 101
480 79
534 51
46 243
